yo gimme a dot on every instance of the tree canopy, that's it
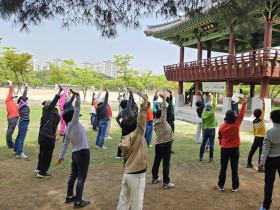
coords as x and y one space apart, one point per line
105 15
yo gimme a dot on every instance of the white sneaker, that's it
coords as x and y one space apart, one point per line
150 146
104 147
168 186
23 156
119 157
108 137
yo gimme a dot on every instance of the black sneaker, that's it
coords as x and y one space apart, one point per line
261 170
43 175
250 165
221 188
81 204
235 189
70 199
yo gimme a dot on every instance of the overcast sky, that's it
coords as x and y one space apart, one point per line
83 43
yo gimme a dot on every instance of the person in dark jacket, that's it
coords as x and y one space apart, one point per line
47 134
102 118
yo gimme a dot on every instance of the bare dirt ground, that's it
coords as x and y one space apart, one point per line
195 181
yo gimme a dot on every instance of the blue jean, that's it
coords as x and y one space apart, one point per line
208 135
22 130
149 132
102 126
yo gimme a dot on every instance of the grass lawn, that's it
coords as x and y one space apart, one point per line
194 180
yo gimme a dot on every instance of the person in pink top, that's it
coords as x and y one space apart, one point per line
61 104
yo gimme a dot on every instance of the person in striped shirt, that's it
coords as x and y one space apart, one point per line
24 119
259 132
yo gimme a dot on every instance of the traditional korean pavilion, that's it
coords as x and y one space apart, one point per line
246 62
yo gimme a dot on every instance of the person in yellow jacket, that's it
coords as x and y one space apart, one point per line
135 155
259 132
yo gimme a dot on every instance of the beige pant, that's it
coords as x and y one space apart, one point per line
132 193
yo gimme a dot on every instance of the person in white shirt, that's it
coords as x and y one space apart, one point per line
235 99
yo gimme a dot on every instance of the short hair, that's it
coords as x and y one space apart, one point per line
257 113
158 113
68 115
275 116
123 104
129 124
149 104
155 97
240 91
198 103
22 98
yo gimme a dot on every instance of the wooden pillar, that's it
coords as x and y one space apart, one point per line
268 32
231 51
180 83
252 90
199 50
180 88
209 53
229 88
198 87
264 87
181 54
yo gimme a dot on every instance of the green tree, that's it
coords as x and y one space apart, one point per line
84 78
15 66
126 75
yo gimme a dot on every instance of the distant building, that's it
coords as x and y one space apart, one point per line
106 67
36 65
87 64
57 62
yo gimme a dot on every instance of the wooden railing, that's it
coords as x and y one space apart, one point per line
256 63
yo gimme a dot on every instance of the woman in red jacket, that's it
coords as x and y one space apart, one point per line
229 140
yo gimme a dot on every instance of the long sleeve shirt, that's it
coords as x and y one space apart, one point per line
259 125
162 128
271 143
61 101
228 134
11 106
127 111
134 146
208 117
200 109
75 132
24 110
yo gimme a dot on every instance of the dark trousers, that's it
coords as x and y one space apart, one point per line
231 154
79 169
45 156
234 107
208 134
124 133
258 143
162 152
272 165
12 124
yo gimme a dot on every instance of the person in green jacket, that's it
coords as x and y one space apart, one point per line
209 124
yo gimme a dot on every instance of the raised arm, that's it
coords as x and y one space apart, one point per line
202 99
163 110
25 90
125 93
77 107
214 103
55 99
10 94
98 95
242 111
263 110
141 118
106 98
68 103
